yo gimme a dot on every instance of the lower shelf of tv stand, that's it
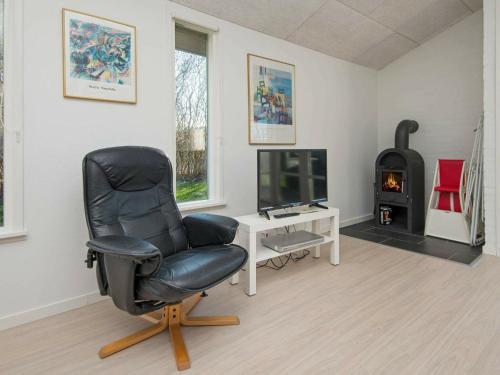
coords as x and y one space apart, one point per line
250 232
265 253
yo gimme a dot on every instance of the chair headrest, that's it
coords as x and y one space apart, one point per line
131 168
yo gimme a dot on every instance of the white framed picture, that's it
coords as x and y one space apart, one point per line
271 101
99 58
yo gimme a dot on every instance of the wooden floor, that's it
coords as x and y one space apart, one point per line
382 311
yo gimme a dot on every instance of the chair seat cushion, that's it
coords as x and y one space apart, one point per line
447 189
190 271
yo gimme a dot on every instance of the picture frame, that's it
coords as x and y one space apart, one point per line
99 58
271 101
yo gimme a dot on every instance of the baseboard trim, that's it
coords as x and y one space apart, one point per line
356 220
325 226
55 308
491 250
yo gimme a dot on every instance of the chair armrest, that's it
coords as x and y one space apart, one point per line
209 229
124 247
123 259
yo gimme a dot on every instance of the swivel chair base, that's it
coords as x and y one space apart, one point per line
170 318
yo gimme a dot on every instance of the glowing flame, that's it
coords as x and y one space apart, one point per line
391 183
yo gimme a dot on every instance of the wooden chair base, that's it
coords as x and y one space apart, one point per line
171 318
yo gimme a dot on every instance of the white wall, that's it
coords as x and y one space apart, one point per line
491 137
440 85
336 109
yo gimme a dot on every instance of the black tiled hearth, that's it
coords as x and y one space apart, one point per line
437 247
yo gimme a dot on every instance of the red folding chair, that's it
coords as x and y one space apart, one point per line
445 218
450 178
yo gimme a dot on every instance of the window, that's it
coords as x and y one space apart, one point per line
11 119
192 115
2 117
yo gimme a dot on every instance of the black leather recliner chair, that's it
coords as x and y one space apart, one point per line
149 258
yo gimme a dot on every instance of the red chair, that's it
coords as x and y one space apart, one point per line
451 176
445 218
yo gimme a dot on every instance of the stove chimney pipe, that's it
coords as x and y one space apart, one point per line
402 137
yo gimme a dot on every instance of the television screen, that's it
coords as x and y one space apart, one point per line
291 177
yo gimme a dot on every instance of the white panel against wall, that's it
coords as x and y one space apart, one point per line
489 71
491 67
440 85
336 110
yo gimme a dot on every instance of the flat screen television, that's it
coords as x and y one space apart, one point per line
287 178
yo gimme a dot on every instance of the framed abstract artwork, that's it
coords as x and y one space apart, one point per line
99 58
271 101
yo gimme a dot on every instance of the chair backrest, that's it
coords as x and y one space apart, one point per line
450 172
128 191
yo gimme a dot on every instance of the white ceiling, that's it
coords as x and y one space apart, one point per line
367 32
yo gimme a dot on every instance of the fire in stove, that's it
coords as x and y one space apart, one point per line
392 182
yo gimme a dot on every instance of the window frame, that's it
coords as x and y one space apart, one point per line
214 139
13 122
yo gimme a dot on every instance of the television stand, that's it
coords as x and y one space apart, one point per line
252 228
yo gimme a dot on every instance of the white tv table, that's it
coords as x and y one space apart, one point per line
249 234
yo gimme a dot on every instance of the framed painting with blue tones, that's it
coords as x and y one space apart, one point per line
271 101
99 58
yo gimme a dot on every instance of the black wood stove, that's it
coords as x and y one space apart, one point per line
399 184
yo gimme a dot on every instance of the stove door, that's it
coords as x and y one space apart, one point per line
392 185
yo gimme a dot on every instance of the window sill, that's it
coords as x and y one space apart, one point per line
200 205
12 235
